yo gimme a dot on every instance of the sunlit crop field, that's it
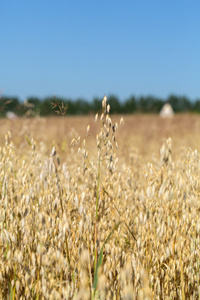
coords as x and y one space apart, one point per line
142 133
105 211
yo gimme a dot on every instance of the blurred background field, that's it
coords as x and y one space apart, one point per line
141 134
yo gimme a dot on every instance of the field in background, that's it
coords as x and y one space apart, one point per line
92 220
142 133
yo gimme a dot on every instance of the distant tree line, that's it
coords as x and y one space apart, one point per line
34 106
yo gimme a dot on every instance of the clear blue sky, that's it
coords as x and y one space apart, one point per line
82 48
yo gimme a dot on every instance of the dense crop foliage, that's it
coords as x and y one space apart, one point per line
94 227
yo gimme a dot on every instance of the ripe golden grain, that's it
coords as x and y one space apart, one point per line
56 213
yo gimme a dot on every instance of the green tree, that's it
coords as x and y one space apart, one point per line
179 103
9 103
96 105
114 104
46 107
82 107
149 104
130 105
196 106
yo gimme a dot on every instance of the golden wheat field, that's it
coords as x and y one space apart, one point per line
100 207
